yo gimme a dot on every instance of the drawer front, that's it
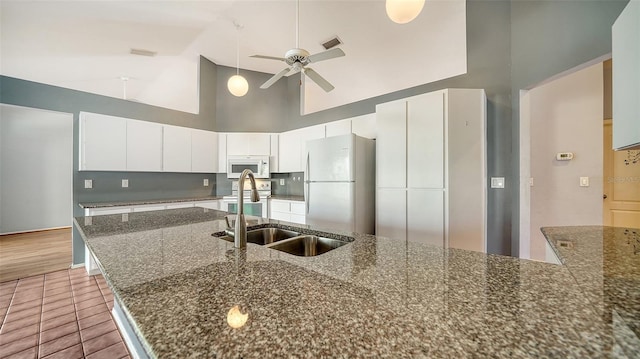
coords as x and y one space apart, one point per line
180 205
296 218
280 216
280 206
109 210
149 208
298 208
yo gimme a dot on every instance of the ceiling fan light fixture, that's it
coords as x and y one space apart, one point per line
403 11
237 85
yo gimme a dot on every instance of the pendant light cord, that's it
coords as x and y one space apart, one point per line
237 48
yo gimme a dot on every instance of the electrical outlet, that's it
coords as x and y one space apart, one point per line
88 221
282 181
125 217
497 182
125 183
205 182
584 181
88 183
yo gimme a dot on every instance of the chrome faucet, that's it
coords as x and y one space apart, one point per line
240 230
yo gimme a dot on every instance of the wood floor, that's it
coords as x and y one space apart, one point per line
26 254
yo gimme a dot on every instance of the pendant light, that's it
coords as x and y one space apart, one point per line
237 85
403 11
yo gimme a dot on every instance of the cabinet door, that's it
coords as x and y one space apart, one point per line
274 151
103 142
245 144
289 152
308 134
391 213
337 128
364 126
204 151
176 149
425 141
144 146
222 153
391 145
626 77
425 216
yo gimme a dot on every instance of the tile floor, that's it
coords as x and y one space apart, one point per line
63 314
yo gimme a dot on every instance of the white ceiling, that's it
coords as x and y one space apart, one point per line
84 45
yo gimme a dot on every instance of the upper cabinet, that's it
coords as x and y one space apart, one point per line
204 151
292 147
103 142
626 78
144 146
248 143
109 143
176 149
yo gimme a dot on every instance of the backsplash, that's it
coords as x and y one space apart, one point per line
293 184
107 186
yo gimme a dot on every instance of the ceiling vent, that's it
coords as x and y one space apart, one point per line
143 52
333 42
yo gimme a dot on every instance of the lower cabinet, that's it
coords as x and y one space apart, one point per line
391 213
289 211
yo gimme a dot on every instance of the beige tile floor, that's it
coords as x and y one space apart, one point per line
62 314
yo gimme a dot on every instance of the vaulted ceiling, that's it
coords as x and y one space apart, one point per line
85 45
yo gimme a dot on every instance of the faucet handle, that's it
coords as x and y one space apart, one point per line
230 222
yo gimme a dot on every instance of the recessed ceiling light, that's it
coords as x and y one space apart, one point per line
143 52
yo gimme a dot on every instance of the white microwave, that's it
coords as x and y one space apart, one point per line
259 165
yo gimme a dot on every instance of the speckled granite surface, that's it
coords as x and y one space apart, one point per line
148 201
372 298
605 262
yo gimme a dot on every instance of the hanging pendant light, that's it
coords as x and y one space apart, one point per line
403 11
238 85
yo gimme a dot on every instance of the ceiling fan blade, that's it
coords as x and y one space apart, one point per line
326 55
318 79
268 57
274 78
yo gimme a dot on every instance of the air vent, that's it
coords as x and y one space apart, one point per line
143 52
333 42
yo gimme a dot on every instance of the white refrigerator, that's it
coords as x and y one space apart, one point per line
340 183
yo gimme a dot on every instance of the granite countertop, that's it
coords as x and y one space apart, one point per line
146 201
374 297
287 197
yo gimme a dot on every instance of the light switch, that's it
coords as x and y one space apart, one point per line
282 181
205 182
530 181
497 182
88 183
125 183
584 181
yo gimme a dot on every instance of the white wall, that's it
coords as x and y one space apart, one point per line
565 116
36 156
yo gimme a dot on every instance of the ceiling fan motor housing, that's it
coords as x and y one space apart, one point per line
297 55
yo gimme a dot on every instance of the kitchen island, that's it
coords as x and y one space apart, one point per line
374 297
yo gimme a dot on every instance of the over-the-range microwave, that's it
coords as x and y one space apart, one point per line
259 165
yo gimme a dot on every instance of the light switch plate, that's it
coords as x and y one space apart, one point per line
205 182
584 181
88 183
125 183
497 182
282 181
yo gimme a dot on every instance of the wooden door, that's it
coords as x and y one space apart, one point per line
621 206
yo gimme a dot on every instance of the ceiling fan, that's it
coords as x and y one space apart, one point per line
298 59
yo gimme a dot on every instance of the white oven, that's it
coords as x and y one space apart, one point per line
259 165
258 209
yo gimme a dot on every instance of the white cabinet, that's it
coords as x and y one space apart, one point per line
244 144
274 154
364 126
292 147
215 204
431 169
625 47
144 146
222 152
103 142
148 207
289 211
204 151
391 145
176 149
106 210
179 205
391 213
337 128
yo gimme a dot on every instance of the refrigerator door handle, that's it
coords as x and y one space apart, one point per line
306 186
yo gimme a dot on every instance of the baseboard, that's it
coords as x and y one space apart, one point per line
35 230
79 265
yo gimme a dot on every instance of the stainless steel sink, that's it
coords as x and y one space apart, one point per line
307 245
264 236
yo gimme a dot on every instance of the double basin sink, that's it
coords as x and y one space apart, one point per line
299 244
